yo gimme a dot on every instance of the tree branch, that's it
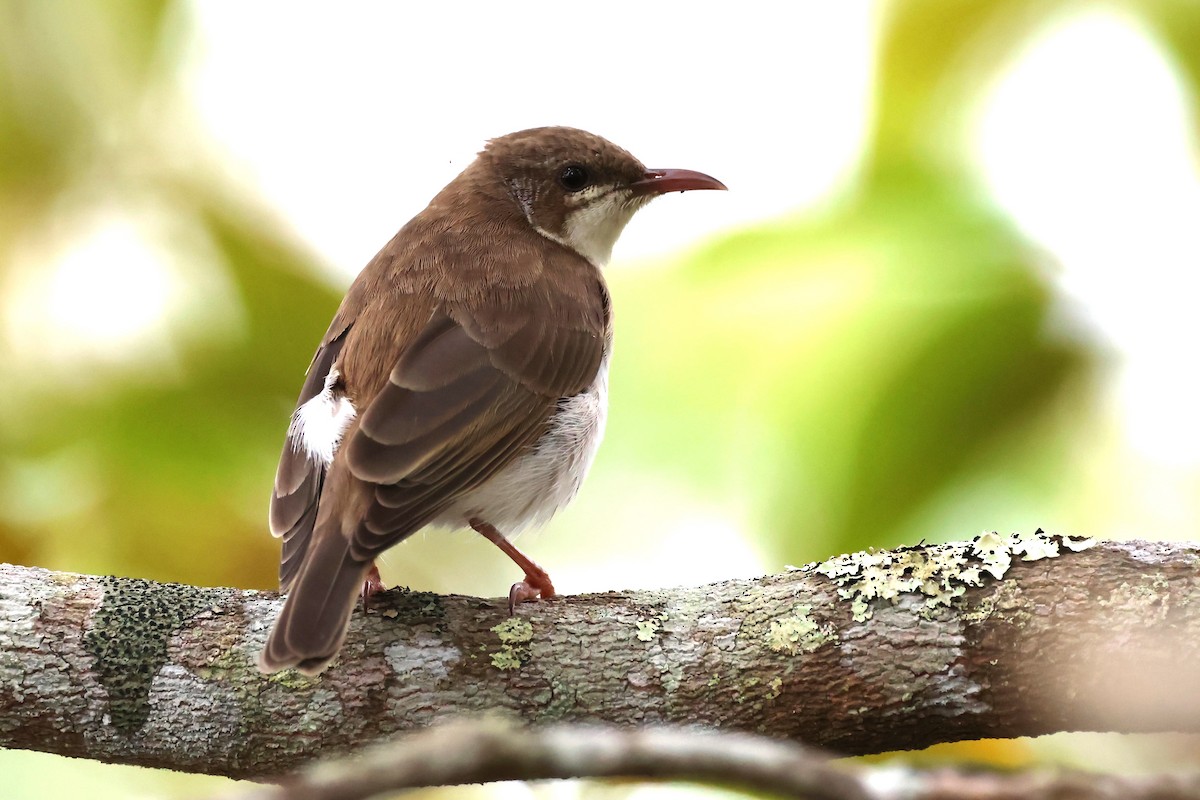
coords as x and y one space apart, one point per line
489 750
860 654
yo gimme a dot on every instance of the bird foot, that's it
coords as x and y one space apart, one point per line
372 585
537 582
533 587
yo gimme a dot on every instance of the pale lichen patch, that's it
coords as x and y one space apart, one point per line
1148 599
324 708
799 633
1076 544
515 634
177 693
426 663
505 659
860 609
514 630
293 680
938 573
648 627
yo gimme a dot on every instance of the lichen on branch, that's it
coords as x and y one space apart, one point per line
849 654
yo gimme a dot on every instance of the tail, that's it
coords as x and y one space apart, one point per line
312 625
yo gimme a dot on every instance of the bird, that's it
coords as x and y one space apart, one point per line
463 380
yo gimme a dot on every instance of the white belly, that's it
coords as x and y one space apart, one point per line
532 489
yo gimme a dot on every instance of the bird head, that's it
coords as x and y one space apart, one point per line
576 188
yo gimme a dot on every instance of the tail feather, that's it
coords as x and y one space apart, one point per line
316 614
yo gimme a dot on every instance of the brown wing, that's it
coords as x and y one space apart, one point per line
299 478
468 396
459 406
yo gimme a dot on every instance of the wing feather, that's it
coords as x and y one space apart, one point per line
299 478
447 420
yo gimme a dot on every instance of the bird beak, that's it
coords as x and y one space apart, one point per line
661 181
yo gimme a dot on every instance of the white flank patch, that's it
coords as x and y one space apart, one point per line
320 423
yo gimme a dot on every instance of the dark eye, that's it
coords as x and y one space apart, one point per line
574 177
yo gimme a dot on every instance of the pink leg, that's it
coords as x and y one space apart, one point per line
537 582
372 585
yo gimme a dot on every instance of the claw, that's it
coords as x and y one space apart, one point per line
533 587
372 585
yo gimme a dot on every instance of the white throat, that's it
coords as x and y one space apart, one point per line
593 227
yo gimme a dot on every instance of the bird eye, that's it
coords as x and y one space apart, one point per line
574 177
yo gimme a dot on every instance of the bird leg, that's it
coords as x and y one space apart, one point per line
537 582
372 585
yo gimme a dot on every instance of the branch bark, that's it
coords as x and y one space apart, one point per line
131 671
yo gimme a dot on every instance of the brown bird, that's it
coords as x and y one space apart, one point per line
463 381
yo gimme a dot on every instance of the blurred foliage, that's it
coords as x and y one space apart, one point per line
875 353
836 376
172 458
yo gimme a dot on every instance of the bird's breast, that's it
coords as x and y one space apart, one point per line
540 483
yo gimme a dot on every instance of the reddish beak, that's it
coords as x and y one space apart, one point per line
661 181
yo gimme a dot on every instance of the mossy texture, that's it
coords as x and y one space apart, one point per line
128 638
